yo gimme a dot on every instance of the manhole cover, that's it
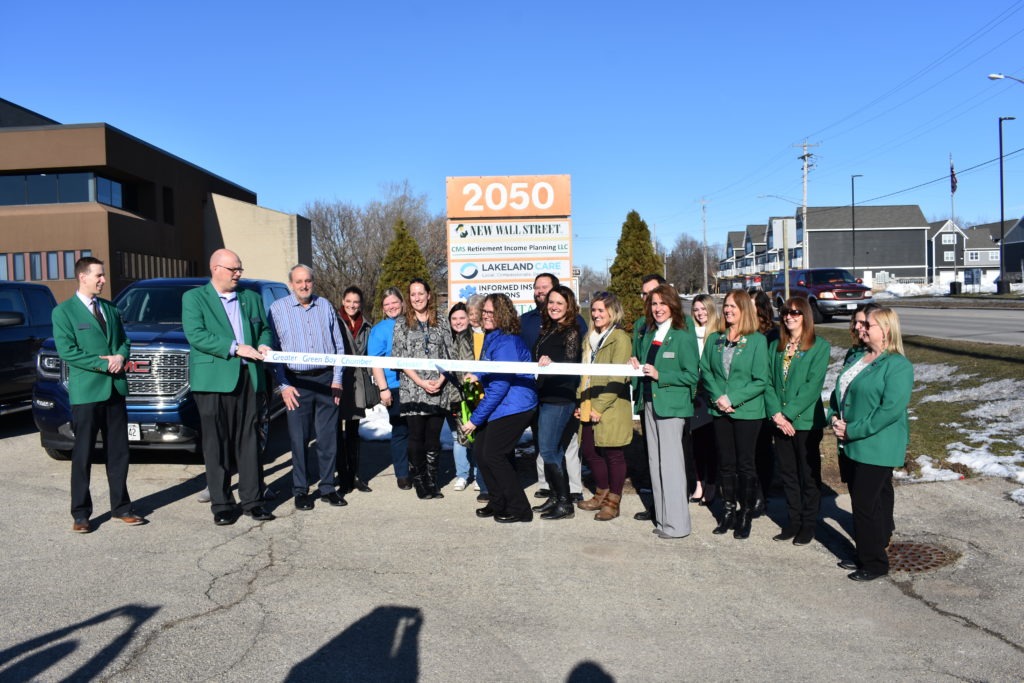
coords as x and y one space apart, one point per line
918 557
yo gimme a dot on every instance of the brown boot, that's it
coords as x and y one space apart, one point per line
609 509
595 502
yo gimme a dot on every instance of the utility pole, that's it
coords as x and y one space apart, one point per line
704 260
806 158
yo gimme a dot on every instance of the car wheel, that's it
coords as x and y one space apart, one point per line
58 453
816 313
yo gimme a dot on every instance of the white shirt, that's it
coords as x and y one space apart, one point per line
88 303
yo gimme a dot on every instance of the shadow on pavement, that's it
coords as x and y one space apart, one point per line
382 646
56 648
16 424
589 672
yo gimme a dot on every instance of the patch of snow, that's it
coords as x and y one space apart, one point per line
896 289
929 472
999 389
1017 496
927 373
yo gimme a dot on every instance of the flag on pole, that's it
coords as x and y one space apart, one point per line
952 177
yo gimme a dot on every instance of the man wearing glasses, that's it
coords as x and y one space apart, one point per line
228 334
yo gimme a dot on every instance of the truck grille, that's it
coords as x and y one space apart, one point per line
157 374
856 294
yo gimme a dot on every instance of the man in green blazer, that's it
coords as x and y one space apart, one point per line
90 339
228 334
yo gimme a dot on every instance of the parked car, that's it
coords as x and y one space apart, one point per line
25 311
161 411
830 291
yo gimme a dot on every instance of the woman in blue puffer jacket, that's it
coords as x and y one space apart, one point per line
504 413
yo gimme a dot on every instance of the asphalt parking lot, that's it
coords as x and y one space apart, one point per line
394 588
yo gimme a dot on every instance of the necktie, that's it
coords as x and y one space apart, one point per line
99 316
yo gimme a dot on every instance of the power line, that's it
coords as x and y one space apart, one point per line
943 177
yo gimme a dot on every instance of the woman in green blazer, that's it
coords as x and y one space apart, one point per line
734 368
798 363
606 420
670 359
868 413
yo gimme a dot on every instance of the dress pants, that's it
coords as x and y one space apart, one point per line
799 463
496 451
110 419
229 433
664 436
736 441
317 415
872 498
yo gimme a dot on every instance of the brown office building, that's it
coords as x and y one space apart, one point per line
68 191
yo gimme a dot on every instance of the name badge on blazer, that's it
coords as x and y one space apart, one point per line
669 354
86 326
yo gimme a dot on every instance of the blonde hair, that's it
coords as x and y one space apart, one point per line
748 315
612 305
887 319
710 307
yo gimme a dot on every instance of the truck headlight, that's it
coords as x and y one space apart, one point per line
827 295
48 366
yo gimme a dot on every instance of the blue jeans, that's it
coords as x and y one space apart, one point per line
399 437
463 458
551 421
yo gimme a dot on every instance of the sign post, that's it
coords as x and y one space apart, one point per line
503 231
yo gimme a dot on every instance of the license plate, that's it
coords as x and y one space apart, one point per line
134 433
850 307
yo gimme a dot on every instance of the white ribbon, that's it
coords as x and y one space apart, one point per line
442 364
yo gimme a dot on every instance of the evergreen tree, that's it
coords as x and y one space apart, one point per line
634 258
403 262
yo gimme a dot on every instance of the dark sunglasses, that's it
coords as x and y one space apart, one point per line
792 311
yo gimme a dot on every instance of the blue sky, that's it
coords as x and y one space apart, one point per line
648 105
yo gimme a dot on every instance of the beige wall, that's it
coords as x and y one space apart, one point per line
268 242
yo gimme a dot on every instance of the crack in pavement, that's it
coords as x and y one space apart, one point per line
907 588
150 638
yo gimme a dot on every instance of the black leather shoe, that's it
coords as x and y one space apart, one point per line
335 499
303 501
804 537
848 565
643 516
542 493
362 487
485 511
865 575
404 483
509 519
225 518
259 513
483 498
786 534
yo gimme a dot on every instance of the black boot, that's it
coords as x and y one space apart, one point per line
727 491
430 481
357 483
562 507
551 474
417 475
748 494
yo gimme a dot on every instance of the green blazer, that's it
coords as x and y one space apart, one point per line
875 410
80 343
609 395
209 333
748 376
798 397
677 363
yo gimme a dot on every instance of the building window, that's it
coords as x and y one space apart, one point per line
948 238
993 256
42 189
73 187
85 252
35 260
12 190
973 256
168 205
52 266
3 267
69 265
108 192
947 256
19 266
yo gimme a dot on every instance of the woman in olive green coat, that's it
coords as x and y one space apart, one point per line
668 351
798 363
734 368
868 413
606 418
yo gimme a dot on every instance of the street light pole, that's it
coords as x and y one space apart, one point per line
999 77
853 222
1003 287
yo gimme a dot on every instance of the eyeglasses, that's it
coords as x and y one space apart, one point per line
793 311
487 313
238 271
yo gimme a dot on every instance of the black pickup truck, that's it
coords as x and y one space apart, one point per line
25 311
